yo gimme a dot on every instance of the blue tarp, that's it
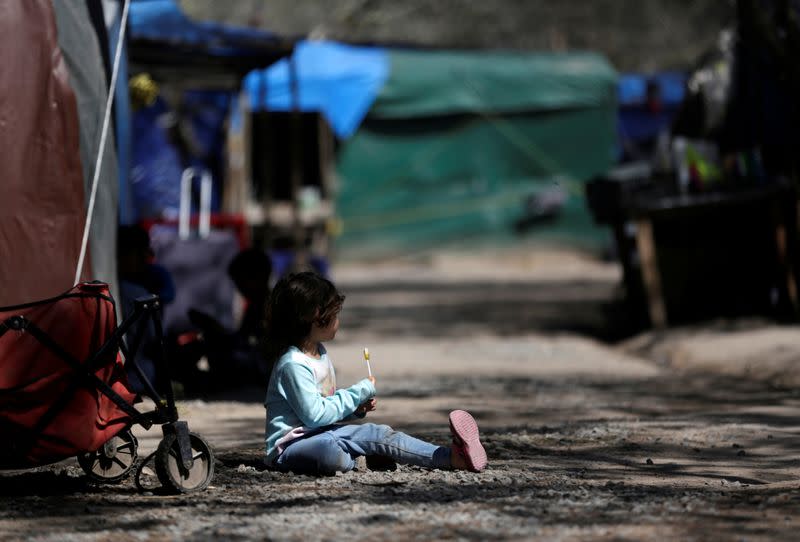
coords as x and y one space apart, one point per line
159 159
632 88
163 20
638 123
339 81
157 165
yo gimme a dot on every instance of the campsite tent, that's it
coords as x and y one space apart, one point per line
46 103
457 144
438 146
337 80
197 67
53 89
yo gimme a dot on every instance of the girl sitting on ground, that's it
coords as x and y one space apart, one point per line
304 408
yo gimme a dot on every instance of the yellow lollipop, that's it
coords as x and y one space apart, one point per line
366 358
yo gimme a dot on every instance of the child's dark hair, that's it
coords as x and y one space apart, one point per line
297 301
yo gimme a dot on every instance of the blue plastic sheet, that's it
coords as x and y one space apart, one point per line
638 123
339 81
157 165
632 88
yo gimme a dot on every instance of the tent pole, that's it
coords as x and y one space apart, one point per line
300 257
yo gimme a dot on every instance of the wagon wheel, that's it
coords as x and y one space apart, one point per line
170 470
145 477
113 460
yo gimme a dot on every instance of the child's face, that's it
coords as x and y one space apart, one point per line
325 333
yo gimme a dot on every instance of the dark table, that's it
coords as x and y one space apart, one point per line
693 256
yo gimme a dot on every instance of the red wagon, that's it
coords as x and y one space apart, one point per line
64 391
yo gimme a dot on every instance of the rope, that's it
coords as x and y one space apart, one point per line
103 136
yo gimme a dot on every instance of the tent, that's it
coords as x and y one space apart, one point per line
439 146
198 68
340 81
462 146
53 89
51 107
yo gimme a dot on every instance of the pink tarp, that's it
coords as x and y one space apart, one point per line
42 208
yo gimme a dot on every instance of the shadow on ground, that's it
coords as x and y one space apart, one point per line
589 307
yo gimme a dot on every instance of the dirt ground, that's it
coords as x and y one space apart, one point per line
652 438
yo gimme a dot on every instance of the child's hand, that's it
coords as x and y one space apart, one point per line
371 379
367 406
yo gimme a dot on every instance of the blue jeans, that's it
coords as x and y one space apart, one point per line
335 448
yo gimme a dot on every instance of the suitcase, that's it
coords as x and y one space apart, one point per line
197 259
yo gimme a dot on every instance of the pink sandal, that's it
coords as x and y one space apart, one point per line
466 441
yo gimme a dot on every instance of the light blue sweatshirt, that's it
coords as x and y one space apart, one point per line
302 396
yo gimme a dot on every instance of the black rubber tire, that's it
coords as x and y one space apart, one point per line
170 471
143 480
101 467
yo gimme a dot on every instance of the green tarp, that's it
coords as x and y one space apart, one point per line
456 142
